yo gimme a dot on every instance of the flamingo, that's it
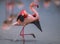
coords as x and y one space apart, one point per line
47 3
24 19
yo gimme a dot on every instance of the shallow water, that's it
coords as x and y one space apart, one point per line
50 23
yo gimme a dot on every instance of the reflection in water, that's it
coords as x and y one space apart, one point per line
10 41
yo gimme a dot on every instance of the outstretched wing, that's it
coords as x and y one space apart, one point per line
37 24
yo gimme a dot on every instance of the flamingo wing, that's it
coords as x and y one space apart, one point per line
37 24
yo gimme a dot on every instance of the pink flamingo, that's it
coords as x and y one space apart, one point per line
47 3
24 18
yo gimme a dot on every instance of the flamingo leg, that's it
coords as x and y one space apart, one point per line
22 34
31 34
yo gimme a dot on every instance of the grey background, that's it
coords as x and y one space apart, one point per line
49 20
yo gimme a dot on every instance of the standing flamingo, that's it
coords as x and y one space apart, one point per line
24 18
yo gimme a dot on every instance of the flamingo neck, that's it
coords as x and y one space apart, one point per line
33 9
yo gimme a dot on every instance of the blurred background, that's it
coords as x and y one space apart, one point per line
49 12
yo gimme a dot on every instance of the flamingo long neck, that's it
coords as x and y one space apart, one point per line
33 9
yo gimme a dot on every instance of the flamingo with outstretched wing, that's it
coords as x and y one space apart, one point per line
24 19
